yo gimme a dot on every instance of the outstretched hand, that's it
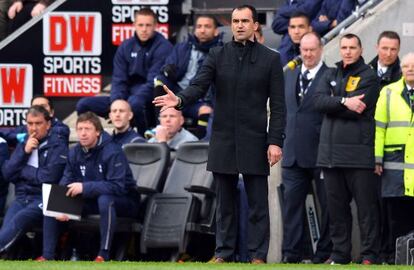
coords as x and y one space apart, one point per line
170 100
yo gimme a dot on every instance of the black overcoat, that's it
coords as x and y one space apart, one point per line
245 77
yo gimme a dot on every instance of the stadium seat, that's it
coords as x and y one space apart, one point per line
186 205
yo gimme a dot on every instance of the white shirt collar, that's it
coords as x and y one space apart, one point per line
383 68
312 71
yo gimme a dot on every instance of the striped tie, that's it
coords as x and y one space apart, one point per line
411 97
380 73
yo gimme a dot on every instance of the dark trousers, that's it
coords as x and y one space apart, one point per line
4 190
226 215
21 216
101 106
343 184
400 214
386 247
109 207
296 184
243 215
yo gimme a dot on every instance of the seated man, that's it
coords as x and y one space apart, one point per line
23 10
121 115
183 63
299 25
97 169
331 14
284 13
18 134
41 158
171 131
4 7
137 61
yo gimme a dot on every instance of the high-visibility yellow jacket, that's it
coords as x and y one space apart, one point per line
394 140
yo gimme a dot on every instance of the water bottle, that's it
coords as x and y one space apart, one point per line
149 133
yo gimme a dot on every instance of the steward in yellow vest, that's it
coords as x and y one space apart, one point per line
394 152
394 139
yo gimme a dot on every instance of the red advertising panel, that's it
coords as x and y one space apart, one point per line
16 92
68 53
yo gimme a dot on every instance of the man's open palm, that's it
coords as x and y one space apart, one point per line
170 100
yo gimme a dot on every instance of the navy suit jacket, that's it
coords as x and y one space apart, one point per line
303 122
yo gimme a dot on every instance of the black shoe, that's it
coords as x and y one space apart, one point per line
333 261
287 259
319 260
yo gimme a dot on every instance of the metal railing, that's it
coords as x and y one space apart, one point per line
355 15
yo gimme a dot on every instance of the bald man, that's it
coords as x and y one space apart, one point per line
121 116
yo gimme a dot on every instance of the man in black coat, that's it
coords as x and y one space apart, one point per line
387 66
246 74
300 150
387 63
347 95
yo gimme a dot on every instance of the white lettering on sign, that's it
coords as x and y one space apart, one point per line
121 14
72 85
140 2
73 65
72 33
12 117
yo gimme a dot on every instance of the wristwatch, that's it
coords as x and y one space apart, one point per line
343 100
180 104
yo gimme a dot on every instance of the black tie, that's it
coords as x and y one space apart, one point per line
303 85
411 97
305 80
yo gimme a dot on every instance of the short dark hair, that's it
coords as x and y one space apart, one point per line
351 36
39 110
146 12
390 35
52 107
255 16
300 14
91 117
215 23
259 30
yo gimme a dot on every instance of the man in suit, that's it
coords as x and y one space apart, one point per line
387 63
387 66
246 75
301 148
